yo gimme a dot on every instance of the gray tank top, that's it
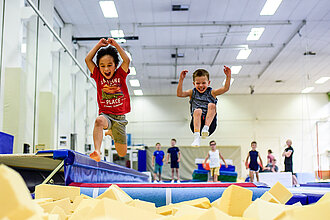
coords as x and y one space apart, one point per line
201 100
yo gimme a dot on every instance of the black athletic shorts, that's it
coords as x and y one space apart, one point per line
212 127
174 164
288 167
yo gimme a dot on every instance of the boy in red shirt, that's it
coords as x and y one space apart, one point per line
112 94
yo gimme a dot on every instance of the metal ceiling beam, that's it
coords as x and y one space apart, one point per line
208 46
301 25
202 64
76 39
213 77
213 23
221 44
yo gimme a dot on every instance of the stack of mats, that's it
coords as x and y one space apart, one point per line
226 174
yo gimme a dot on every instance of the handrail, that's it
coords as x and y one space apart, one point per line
59 40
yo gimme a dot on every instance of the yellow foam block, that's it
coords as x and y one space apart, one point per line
214 214
269 198
315 211
216 203
59 211
15 200
65 204
325 197
52 217
113 209
43 200
84 208
56 192
148 206
183 210
114 192
165 210
203 203
281 193
261 209
78 199
235 200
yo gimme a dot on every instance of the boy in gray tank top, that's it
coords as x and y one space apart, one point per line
203 102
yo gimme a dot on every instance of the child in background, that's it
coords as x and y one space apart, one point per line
214 156
112 94
270 157
157 161
175 153
253 166
203 100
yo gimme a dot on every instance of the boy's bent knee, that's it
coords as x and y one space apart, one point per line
211 106
198 112
100 121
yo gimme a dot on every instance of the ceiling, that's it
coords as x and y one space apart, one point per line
198 33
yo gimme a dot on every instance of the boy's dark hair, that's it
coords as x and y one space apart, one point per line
213 141
173 140
200 72
253 142
157 143
270 151
111 51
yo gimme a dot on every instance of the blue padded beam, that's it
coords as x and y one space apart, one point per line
81 168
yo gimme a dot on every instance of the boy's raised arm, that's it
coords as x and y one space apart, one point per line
126 60
89 58
225 88
179 91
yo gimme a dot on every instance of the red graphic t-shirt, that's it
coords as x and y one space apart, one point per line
112 94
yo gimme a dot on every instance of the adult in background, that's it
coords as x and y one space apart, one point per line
287 154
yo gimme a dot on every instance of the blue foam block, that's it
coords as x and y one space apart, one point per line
298 197
312 197
227 173
6 143
201 171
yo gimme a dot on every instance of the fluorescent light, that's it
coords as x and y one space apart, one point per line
23 48
109 9
243 54
255 33
117 33
235 69
134 83
270 7
307 89
322 80
231 81
138 92
132 71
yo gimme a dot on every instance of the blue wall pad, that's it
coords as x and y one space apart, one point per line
6 143
317 184
158 195
81 168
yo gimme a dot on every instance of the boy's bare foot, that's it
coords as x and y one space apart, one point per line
95 156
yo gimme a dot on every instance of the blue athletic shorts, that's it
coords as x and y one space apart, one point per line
158 168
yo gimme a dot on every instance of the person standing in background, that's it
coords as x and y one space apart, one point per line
175 153
288 165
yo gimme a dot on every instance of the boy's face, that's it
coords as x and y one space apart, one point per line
254 146
201 83
213 146
107 66
173 143
158 146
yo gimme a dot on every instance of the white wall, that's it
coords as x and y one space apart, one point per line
268 119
